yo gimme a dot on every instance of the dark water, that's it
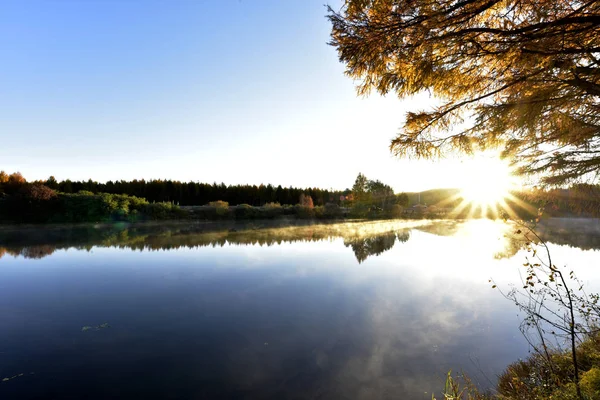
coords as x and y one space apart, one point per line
347 311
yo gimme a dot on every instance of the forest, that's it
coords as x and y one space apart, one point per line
68 201
196 193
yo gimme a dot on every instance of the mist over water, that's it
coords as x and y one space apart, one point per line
204 311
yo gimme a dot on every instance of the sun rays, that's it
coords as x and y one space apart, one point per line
487 190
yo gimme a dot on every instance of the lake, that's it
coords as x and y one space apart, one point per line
375 310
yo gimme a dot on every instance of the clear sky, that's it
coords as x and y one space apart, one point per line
234 91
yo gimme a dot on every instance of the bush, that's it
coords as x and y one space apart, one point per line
221 207
332 210
31 203
304 212
159 211
34 192
37 203
532 379
590 383
272 210
219 204
395 211
319 212
359 210
272 206
245 211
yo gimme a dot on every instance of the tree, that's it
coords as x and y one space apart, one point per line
3 181
52 183
359 189
402 199
306 201
523 75
382 194
36 192
14 182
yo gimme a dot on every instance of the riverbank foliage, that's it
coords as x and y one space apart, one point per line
534 378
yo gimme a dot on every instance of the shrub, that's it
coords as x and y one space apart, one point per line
272 210
158 211
31 203
304 212
332 210
590 383
221 207
359 210
319 212
37 203
272 206
219 204
245 211
395 211
34 192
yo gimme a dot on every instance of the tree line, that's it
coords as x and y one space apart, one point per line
68 201
183 193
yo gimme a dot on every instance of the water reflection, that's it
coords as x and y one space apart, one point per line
364 239
374 246
256 311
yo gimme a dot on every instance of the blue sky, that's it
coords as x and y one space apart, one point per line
234 91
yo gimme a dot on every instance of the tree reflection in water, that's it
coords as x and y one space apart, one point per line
366 239
376 245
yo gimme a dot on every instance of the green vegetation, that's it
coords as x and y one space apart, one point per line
184 193
540 378
374 199
27 206
40 202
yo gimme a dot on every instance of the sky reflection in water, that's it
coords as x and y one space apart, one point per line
358 311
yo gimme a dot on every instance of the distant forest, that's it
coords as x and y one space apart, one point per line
195 193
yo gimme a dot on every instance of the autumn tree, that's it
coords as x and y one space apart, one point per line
306 201
36 192
3 181
13 183
520 75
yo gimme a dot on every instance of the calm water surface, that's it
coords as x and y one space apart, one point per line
376 310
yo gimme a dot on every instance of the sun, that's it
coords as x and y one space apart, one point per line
487 181
488 187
